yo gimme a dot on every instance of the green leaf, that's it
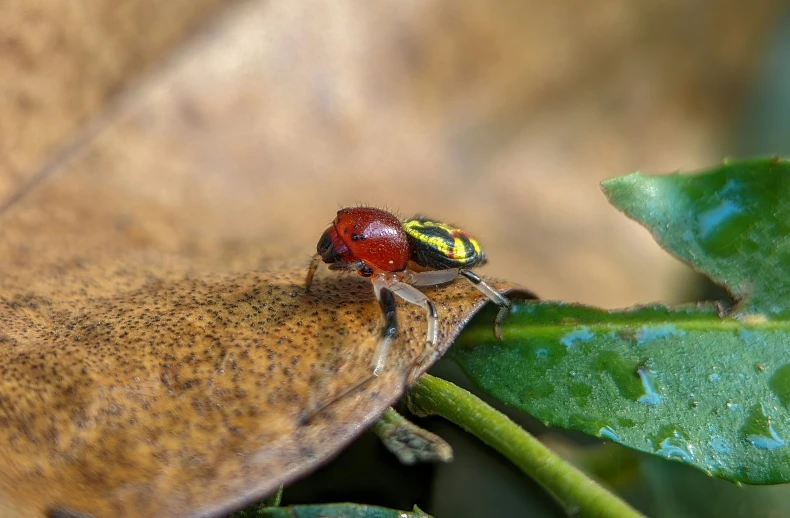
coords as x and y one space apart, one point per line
683 383
330 511
731 223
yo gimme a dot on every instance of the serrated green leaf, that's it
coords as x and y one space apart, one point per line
330 511
731 223
683 383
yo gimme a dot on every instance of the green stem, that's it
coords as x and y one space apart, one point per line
579 494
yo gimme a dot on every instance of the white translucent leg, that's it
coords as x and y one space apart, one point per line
385 341
415 296
409 294
431 278
496 297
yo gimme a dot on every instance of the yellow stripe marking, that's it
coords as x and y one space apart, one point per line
458 251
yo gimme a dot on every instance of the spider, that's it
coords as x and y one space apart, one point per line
398 256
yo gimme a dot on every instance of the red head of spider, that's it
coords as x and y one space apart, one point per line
366 240
398 256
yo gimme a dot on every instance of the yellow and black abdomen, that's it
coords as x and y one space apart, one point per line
441 246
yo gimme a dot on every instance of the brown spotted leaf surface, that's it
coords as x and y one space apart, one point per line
186 396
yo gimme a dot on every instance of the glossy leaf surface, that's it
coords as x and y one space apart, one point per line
682 383
732 224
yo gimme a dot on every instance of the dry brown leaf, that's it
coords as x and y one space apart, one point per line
189 397
62 61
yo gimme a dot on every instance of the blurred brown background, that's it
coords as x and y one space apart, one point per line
213 129
223 134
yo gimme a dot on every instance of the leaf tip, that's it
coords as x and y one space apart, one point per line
612 187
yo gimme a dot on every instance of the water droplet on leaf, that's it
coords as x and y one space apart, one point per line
548 351
606 432
582 334
651 395
649 333
722 228
759 430
673 443
719 444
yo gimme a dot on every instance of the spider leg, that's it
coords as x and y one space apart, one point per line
387 302
496 297
311 271
434 277
413 295
431 277
383 285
